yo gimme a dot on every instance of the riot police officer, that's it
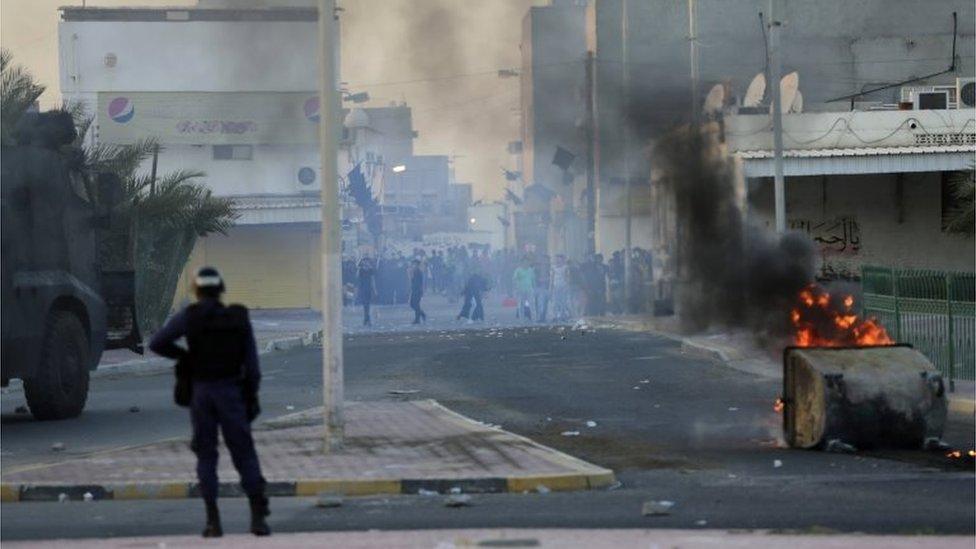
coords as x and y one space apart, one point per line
220 369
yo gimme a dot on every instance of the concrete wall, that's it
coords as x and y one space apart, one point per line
188 56
853 129
557 77
553 108
838 46
860 220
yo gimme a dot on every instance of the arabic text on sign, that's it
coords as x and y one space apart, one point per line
216 126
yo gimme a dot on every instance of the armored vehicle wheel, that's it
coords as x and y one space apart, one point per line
59 387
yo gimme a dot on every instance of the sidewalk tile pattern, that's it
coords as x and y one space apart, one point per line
384 440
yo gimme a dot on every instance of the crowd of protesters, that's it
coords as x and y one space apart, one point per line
539 288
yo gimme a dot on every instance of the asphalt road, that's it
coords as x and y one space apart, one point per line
673 428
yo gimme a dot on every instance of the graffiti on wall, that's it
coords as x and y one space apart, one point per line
838 242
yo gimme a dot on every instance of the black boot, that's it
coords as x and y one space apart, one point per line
259 510
212 529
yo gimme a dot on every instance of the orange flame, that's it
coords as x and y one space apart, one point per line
819 321
954 454
779 405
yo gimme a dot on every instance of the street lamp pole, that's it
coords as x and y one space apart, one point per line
625 55
775 69
332 359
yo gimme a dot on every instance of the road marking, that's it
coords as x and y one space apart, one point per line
651 357
530 355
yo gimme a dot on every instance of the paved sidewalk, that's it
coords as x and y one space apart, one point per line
565 538
391 448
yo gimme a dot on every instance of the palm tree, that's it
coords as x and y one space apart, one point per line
18 92
156 224
960 217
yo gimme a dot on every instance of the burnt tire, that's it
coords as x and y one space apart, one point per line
59 387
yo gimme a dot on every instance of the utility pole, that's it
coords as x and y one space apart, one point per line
332 363
693 56
625 58
152 176
775 68
590 154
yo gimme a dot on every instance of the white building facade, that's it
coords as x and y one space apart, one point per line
226 89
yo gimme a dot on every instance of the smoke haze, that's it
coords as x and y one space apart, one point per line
442 58
731 274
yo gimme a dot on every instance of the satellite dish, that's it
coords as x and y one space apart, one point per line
715 99
797 105
755 91
788 88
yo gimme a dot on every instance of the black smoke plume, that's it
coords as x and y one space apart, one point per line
729 274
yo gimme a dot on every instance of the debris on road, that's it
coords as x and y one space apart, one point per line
57 447
133 409
777 464
701 522
88 497
591 423
839 446
645 381
328 500
616 484
570 433
403 391
62 497
289 407
542 489
935 444
657 508
733 409
455 490
423 492
458 500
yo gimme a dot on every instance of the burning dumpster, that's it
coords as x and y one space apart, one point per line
865 397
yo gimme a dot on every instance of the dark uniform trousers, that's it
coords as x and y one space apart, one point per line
221 402
222 360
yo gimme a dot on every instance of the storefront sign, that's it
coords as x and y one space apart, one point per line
209 118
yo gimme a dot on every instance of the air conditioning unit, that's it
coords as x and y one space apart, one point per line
965 93
929 97
307 179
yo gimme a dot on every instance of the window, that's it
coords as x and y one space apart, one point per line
233 152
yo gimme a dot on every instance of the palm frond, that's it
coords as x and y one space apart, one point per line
960 216
18 91
123 160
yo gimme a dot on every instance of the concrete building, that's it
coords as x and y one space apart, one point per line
230 89
552 80
870 190
837 48
250 122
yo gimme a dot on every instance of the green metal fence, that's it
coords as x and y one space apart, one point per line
935 311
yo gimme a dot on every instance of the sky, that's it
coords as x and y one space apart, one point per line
440 56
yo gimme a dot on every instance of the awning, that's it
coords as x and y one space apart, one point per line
861 160
266 210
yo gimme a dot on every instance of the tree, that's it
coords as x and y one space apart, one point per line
960 215
155 224
18 92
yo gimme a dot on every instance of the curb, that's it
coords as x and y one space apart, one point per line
156 365
965 406
10 493
159 364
